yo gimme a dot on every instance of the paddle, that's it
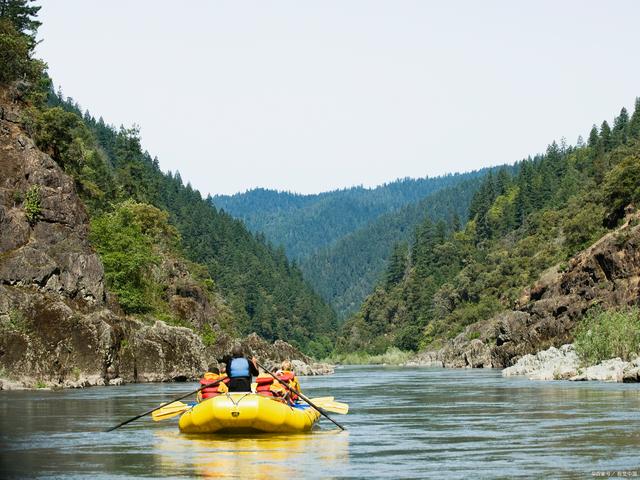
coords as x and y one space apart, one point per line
285 385
164 405
170 411
332 406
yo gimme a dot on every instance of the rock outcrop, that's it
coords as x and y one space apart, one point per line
58 325
606 274
563 364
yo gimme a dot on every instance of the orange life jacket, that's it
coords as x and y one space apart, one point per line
288 377
214 390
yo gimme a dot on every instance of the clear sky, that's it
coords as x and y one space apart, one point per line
316 95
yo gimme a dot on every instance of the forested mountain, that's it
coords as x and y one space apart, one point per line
162 245
522 222
305 223
345 272
343 239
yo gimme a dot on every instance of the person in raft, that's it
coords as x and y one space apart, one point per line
288 376
268 387
212 375
240 370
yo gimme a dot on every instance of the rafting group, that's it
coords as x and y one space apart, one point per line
241 370
228 401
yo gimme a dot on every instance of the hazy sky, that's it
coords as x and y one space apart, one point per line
314 95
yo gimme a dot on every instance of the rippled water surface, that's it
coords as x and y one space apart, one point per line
404 423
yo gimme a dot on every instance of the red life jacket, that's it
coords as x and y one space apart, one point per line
264 386
214 390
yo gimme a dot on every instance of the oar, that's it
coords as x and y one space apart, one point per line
323 399
164 405
170 411
332 406
285 385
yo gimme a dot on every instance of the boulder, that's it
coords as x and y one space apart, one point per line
608 371
551 364
563 364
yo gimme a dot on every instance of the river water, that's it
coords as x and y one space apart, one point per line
403 423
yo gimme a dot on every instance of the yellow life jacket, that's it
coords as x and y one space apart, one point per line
214 390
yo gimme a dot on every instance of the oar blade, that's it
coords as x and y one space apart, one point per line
169 411
322 399
332 406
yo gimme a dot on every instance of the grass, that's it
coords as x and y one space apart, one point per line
393 356
606 334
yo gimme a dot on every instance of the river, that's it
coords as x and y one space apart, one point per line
403 423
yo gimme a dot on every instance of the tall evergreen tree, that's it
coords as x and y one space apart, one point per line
605 136
593 137
397 264
22 16
634 123
620 131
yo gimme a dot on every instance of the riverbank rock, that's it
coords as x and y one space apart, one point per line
551 364
429 359
563 364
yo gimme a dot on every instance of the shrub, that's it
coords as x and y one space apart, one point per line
408 338
473 335
127 255
208 336
605 334
18 321
32 207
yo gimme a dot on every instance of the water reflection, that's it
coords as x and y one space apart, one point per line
258 456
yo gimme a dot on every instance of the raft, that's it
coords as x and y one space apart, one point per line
247 413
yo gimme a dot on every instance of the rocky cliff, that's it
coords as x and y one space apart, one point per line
607 274
58 324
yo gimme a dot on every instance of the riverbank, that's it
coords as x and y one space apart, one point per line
145 368
301 368
563 364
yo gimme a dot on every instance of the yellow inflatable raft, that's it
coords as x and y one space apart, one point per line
247 413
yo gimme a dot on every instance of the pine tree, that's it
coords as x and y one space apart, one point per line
22 16
634 123
605 137
593 137
620 128
397 265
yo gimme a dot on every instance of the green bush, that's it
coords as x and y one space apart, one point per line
605 334
408 338
208 336
127 253
32 207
